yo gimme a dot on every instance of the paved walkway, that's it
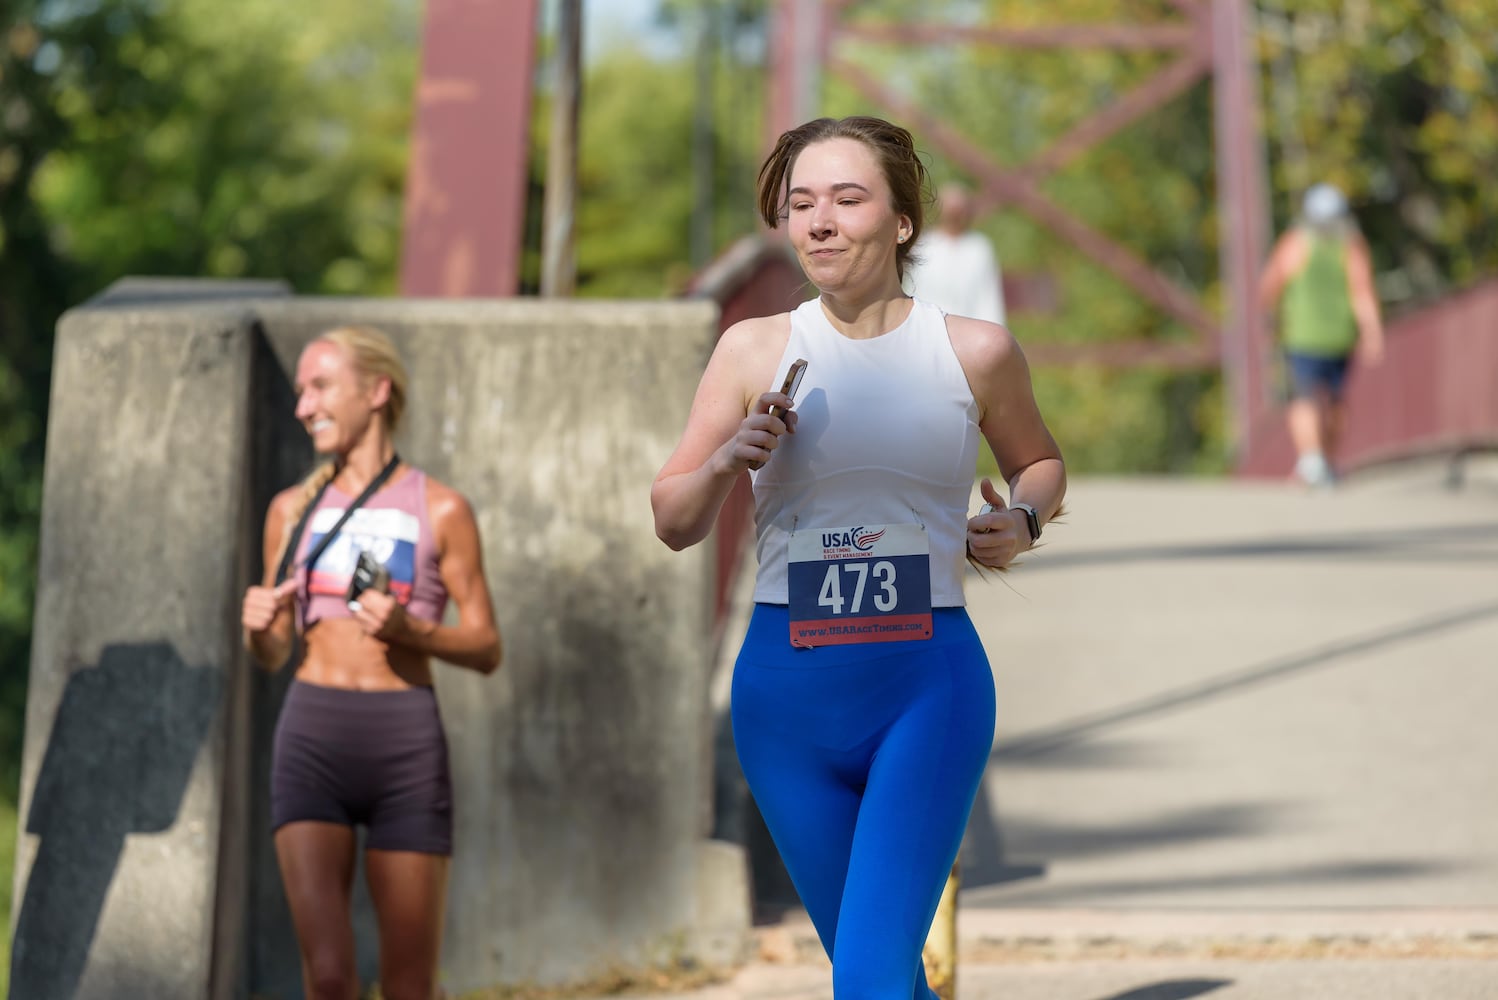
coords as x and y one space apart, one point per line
1246 748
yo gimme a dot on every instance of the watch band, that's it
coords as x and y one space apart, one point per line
1032 520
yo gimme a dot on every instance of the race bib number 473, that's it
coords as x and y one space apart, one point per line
861 583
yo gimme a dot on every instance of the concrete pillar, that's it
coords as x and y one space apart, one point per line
126 819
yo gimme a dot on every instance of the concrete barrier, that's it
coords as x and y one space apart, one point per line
582 769
132 719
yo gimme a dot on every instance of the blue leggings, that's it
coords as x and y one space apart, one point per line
864 761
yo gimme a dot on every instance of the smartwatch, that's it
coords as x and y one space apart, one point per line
1032 520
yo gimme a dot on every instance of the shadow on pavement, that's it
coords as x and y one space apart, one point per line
1428 545
1176 989
1054 738
984 848
1303 875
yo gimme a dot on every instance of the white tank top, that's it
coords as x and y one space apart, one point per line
887 434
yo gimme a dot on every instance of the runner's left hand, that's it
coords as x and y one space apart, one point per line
379 614
995 538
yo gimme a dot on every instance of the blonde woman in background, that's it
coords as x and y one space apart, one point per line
359 740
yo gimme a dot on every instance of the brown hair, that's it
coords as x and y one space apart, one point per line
373 355
891 145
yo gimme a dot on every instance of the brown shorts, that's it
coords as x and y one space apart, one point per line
371 758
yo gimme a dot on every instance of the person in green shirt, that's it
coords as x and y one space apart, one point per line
1320 280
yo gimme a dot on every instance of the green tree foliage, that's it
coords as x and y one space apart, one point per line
633 208
638 201
262 139
34 285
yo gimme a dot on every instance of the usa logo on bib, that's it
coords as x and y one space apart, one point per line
859 583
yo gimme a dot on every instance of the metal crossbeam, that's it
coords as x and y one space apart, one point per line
1212 41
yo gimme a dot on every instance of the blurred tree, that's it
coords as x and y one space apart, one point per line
637 204
35 284
257 140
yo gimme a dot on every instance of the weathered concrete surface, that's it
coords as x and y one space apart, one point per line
131 722
582 769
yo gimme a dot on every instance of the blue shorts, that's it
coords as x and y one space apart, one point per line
1312 376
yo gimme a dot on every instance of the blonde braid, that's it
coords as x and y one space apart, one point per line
320 477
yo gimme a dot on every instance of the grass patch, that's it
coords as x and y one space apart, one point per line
7 870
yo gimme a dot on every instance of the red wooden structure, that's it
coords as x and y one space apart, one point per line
1206 39
465 186
465 200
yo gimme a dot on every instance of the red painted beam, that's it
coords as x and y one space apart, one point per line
800 34
1133 105
780 81
1098 36
465 186
1011 187
1242 218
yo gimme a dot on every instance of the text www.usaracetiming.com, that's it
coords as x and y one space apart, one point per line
863 629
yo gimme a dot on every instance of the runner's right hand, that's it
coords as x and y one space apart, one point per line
760 431
263 604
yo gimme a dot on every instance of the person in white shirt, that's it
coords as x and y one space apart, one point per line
955 267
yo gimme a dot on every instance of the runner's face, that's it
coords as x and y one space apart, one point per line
333 402
842 219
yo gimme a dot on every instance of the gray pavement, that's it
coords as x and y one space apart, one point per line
1246 748
1160 979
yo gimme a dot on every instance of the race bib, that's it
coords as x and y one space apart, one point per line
862 583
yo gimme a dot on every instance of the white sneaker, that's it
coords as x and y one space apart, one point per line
1313 469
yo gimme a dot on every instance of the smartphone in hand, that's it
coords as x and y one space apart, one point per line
791 384
369 574
787 388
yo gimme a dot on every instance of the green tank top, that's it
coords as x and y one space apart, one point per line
1316 312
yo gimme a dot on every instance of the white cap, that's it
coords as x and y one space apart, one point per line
1323 203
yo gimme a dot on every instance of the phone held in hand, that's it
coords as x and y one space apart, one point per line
369 574
791 384
787 388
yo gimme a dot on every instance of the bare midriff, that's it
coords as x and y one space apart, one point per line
339 654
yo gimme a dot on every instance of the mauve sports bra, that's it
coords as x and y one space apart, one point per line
393 526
